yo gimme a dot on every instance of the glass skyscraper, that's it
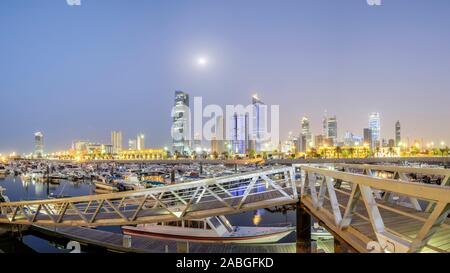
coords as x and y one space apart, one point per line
181 123
38 144
375 127
240 133
259 119
305 136
330 129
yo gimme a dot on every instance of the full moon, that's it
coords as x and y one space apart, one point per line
202 61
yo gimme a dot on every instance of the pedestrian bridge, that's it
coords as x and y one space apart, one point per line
370 207
191 200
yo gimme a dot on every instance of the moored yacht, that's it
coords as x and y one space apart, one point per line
211 230
3 170
33 175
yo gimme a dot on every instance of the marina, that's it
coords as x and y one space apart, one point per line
201 195
21 189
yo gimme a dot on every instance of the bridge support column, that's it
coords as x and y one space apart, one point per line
172 176
303 229
341 247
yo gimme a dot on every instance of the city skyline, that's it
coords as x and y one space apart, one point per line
70 89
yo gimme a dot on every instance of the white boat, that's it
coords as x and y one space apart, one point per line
33 175
3 170
210 230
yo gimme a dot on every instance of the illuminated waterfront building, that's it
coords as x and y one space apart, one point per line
80 146
259 119
147 154
375 127
319 141
239 133
352 140
38 144
181 123
330 129
368 137
140 142
391 143
305 136
116 141
132 145
333 129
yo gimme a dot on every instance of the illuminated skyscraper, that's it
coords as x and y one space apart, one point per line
140 142
38 144
305 136
375 127
240 134
332 132
259 119
368 137
329 129
116 141
181 123
132 145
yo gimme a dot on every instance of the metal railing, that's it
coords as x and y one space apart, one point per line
351 196
191 200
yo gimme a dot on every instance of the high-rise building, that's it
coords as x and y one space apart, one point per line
332 132
218 138
398 136
305 136
259 123
297 145
319 141
375 127
240 133
38 144
325 125
116 141
348 139
132 145
140 142
329 129
391 143
368 137
80 146
181 123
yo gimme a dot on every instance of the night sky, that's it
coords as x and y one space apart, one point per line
78 72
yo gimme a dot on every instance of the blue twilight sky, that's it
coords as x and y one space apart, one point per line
78 72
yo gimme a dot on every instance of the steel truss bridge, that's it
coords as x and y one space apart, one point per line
356 202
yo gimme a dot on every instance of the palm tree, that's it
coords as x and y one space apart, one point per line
351 150
338 151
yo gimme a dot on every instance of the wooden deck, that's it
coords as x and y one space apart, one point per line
361 231
114 242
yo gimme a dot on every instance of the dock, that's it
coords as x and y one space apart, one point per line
115 242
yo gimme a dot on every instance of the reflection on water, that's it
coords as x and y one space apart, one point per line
17 190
